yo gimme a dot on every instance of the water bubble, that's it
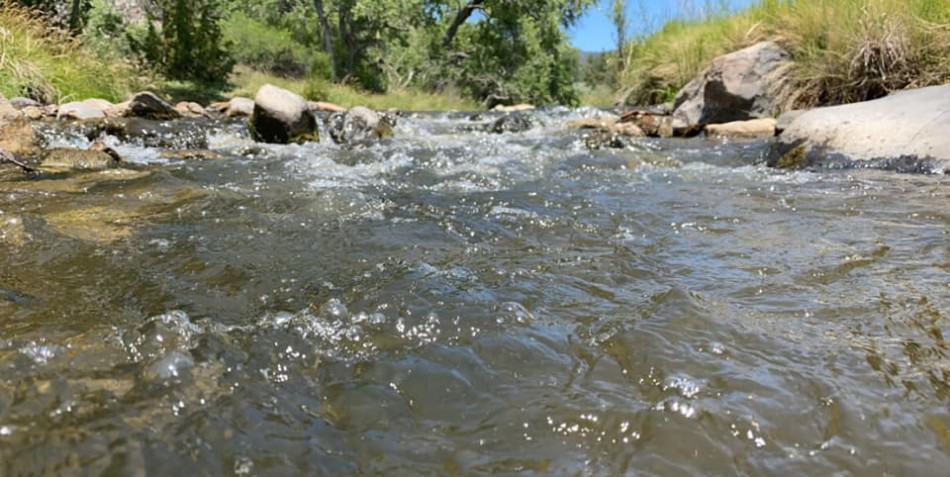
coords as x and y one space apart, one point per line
172 365
41 354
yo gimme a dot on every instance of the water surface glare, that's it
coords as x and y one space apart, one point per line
450 303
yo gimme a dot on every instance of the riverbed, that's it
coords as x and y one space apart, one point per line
452 302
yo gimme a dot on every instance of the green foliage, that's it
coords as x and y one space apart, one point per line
188 45
49 66
517 54
267 47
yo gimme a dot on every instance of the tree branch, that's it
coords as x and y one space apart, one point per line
460 18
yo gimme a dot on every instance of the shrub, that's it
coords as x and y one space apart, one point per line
266 47
49 65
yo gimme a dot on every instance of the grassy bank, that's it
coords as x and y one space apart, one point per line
845 50
246 82
43 63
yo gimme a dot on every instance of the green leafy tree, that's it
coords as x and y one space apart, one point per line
184 41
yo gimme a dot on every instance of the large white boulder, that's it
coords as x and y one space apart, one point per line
911 126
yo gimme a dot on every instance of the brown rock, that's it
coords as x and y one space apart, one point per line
148 105
33 113
17 137
191 109
323 107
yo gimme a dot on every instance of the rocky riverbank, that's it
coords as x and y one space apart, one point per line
736 98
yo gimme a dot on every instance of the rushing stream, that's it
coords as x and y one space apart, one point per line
455 303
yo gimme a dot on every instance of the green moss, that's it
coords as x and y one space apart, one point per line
795 159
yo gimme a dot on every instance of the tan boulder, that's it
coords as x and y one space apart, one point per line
517 108
239 108
17 137
120 110
752 129
33 113
88 109
191 109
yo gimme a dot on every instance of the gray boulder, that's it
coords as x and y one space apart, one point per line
906 131
359 125
22 103
282 117
736 87
148 105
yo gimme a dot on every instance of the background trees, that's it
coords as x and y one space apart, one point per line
495 51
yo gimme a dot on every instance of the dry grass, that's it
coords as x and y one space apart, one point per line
45 64
844 50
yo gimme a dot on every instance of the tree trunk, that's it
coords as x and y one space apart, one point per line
327 36
463 15
346 33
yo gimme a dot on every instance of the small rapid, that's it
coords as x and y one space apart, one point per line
454 302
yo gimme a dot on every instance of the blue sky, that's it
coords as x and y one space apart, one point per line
596 33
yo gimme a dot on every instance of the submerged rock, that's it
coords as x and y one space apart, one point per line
512 123
907 131
88 109
736 87
282 117
359 125
183 134
148 105
752 129
68 160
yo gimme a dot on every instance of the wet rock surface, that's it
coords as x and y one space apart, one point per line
282 117
512 123
909 126
359 125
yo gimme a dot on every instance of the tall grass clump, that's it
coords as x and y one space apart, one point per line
844 50
49 65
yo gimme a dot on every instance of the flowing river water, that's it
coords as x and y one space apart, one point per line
455 303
